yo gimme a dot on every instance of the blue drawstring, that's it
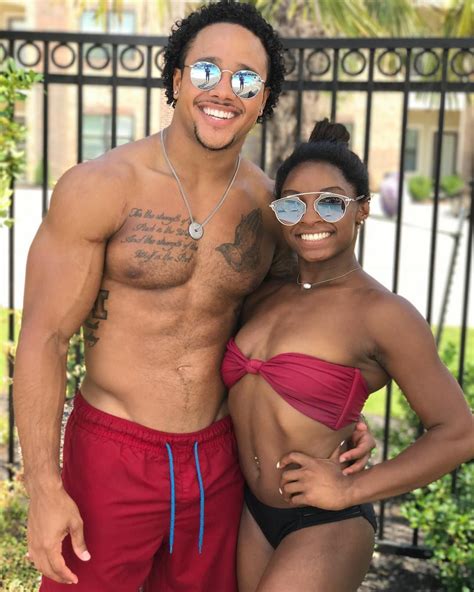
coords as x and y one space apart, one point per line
173 498
201 497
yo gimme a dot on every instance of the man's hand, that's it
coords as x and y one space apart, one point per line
362 445
51 517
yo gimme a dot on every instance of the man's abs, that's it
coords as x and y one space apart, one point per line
153 356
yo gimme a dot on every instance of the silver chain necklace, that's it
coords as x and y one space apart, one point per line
196 229
308 286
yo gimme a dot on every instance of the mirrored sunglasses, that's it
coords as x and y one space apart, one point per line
330 207
246 84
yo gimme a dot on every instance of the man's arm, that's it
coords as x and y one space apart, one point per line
284 263
63 277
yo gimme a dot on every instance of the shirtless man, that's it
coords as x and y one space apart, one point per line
151 493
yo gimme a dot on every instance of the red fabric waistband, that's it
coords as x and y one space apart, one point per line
124 430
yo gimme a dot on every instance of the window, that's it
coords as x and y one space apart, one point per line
411 150
16 23
97 133
113 22
448 153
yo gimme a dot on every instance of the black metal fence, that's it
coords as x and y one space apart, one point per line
332 66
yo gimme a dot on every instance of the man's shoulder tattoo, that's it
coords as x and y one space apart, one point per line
243 254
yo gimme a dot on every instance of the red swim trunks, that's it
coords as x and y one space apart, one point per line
161 511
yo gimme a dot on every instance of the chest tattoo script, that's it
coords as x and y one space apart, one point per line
243 254
159 237
97 314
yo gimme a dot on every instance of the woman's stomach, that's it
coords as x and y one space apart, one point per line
267 428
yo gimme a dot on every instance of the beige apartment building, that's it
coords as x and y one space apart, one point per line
143 17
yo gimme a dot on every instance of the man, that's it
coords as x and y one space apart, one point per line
166 235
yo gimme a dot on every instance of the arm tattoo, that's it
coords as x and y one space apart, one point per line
98 312
243 254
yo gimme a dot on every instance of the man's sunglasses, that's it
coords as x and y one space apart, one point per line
246 84
331 207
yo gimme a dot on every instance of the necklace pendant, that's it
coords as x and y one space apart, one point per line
195 230
306 286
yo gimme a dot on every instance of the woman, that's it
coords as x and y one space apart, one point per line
307 357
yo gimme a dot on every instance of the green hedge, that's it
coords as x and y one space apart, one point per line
445 520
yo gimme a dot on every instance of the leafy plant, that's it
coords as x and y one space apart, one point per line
14 82
452 185
420 187
446 519
447 522
75 368
17 574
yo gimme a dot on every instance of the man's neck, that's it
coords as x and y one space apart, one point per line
191 160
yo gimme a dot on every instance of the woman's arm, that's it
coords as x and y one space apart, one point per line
405 348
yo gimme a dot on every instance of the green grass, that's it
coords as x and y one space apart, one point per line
375 405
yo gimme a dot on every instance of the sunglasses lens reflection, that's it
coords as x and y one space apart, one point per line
205 75
331 208
246 84
289 211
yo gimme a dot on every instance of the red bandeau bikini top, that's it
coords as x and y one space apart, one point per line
329 393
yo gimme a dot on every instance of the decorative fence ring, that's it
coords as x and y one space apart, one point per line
123 59
456 58
158 56
106 52
3 53
396 70
362 58
32 63
290 62
418 65
313 57
72 52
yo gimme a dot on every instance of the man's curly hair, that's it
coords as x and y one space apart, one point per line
226 11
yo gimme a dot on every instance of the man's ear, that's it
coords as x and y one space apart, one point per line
266 93
177 77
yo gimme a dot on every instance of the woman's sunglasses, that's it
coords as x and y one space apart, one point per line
246 84
331 207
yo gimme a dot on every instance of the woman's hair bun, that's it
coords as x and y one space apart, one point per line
327 131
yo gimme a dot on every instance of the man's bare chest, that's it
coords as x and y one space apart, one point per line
153 249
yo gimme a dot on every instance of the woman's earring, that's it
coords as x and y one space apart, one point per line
175 92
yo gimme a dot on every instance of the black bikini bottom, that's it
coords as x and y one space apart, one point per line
276 523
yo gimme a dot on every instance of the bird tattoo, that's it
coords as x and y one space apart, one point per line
244 253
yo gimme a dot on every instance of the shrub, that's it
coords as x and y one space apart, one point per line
420 187
17 574
14 82
75 368
446 520
452 185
